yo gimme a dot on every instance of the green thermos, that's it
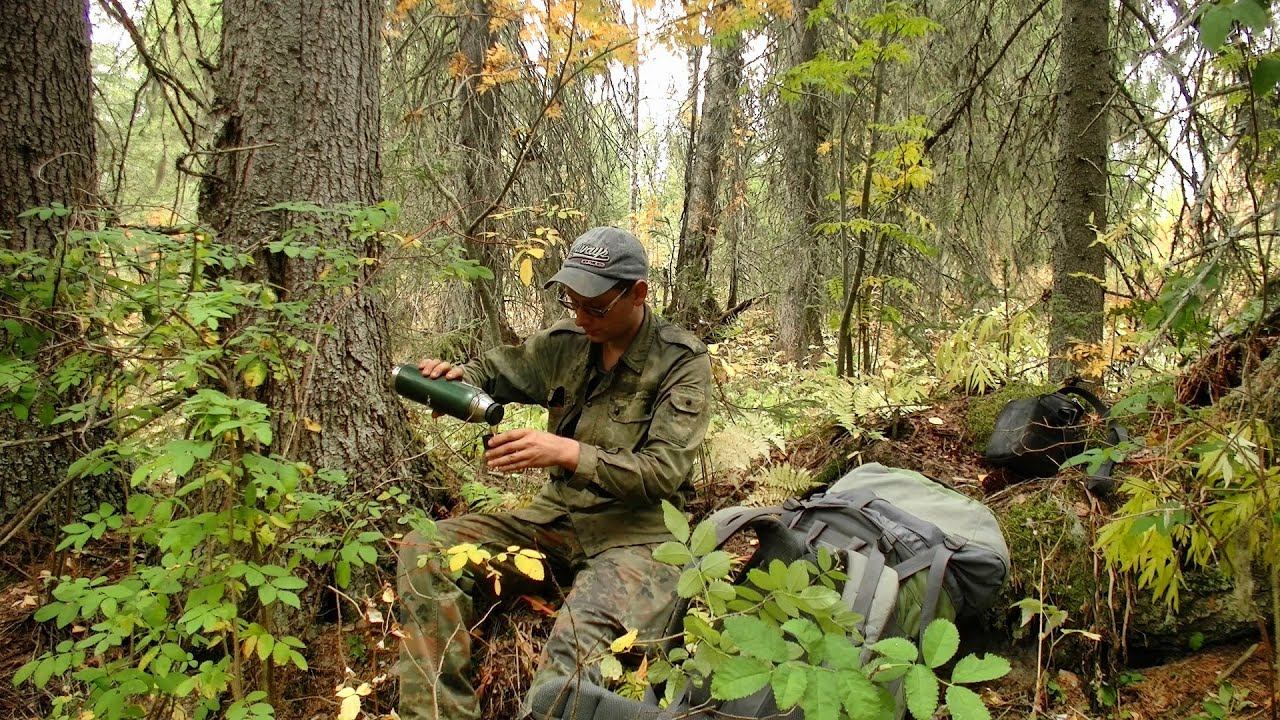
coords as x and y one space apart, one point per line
451 397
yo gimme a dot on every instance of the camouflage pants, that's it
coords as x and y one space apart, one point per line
616 591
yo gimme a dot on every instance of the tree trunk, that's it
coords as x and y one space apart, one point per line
47 156
1079 265
693 302
799 322
298 102
479 140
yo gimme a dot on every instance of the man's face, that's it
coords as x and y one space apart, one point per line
609 316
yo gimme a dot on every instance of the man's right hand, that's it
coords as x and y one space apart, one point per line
434 368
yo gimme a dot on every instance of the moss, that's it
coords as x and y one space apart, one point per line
1040 525
983 410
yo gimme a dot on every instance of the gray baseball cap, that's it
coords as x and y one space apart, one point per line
599 259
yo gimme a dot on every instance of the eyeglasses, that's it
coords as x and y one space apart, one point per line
597 312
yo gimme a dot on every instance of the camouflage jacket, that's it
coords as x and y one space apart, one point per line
639 429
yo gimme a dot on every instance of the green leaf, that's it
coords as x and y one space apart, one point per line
704 538
610 668
1265 75
789 682
673 553
1252 13
804 630
939 642
861 698
840 652
690 583
921 687
716 565
897 649
965 704
822 697
974 669
1215 23
290 582
675 521
739 677
756 638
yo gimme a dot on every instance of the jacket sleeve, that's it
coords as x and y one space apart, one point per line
656 470
513 373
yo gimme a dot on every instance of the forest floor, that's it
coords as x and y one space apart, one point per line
360 645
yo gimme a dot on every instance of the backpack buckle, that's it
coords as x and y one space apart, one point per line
954 543
793 504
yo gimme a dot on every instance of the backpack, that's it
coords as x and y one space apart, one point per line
913 550
1034 436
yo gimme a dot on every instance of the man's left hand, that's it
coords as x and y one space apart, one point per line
526 448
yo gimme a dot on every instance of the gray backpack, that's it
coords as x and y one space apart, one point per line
913 550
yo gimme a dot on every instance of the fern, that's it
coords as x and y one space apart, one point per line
739 444
987 350
482 498
779 483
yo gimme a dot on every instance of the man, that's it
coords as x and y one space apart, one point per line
628 395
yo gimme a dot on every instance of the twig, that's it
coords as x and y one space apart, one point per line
1230 669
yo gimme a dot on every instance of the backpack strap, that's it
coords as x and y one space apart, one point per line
933 586
730 520
1101 482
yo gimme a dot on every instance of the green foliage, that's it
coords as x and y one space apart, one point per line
227 538
785 627
1224 488
990 349
1224 702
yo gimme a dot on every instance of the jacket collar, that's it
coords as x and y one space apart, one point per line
638 352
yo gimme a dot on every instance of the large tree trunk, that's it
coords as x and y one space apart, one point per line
46 157
298 100
693 302
799 328
1079 265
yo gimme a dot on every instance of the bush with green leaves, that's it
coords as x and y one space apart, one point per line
222 539
785 627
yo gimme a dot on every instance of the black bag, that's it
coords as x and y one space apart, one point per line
1034 436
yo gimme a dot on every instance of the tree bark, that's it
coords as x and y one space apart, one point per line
298 102
693 302
47 156
479 142
799 322
1080 193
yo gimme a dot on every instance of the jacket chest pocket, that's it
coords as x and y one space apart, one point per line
629 419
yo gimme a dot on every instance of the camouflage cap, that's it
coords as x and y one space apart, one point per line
599 259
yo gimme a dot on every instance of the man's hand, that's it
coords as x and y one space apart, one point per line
434 368
526 448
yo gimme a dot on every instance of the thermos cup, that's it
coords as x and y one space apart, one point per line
451 397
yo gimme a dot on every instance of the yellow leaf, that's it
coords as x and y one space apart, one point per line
364 689
530 567
536 252
350 707
624 643
312 425
824 148
457 561
526 272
